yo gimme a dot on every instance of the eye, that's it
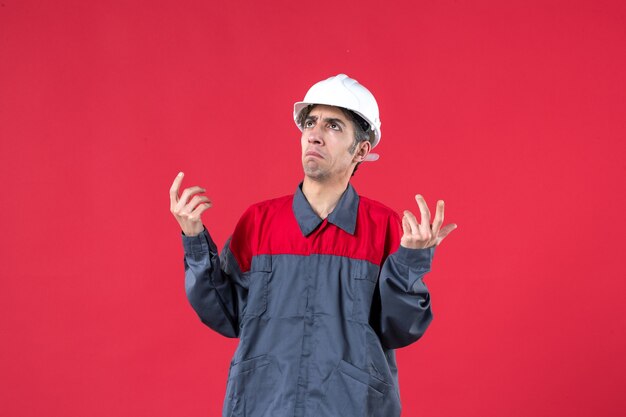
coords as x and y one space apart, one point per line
335 126
308 123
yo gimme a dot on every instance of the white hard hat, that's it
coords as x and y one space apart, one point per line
343 91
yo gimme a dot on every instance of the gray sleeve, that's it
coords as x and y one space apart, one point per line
212 283
405 311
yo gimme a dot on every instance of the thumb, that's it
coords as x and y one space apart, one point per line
445 231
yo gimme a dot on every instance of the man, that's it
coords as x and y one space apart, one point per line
320 286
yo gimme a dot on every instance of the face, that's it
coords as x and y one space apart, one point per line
327 136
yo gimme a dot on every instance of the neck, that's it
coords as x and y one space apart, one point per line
323 196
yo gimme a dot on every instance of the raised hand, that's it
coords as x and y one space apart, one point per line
188 208
423 235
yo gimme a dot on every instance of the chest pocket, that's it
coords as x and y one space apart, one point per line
363 284
258 280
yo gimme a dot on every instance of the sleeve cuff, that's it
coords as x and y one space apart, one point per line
199 244
416 258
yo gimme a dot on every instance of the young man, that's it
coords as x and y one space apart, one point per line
320 286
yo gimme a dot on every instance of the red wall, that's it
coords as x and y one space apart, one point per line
513 112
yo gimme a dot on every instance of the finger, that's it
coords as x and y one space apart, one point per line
195 201
201 209
406 227
184 197
438 221
412 221
425 212
424 226
174 189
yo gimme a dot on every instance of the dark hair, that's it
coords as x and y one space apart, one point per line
362 130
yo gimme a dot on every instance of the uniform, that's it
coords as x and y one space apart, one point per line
319 306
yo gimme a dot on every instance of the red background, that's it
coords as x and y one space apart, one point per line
512 112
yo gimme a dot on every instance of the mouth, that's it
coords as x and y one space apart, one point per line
313 154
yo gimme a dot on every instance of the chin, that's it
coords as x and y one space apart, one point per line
315 173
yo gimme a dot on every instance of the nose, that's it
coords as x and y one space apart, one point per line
315 135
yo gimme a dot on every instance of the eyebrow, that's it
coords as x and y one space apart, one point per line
328 120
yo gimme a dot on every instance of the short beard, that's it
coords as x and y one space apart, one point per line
352 148
316 174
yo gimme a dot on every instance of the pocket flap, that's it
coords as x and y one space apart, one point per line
363 376
360 271
261 263
248 365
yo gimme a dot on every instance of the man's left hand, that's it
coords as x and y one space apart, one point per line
424 235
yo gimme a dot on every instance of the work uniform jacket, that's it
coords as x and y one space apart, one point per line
318 305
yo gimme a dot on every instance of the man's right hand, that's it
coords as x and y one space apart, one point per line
187 212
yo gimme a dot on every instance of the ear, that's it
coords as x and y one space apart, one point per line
362 151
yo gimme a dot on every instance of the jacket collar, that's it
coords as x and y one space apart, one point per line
342 216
